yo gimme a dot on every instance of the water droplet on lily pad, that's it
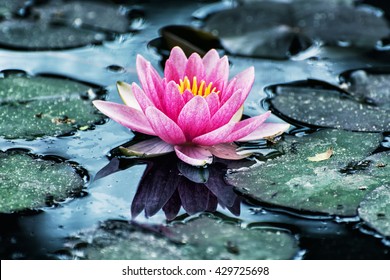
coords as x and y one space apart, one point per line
200 238
294 182
31 183
32 107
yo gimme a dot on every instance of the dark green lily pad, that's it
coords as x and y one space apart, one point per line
41 106
375 210
61 24
200 238
332 186
279 30
28 183
366 107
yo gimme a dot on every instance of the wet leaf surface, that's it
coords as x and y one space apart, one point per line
197 239
364 104
279 30
41 106
27 183
60 24
331 187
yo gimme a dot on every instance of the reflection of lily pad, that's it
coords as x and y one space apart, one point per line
40 106
60 24
246 29
27 183
366 108
375 210
335 186
201 238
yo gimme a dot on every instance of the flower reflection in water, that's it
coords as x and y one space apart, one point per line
170 185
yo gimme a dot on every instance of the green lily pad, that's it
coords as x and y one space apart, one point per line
375 210
200 238
28 183
33 107
295 181
278 29
314 103
60 24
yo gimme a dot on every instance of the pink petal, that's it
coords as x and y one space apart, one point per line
148 148
210 60
227 110
164 127
219 74
226 151
243 81
194 118
266 130
173 101
175 65
194 155
150 80
245 127
216 136
213 103
194 67
187 96
141 98
127 95
125 115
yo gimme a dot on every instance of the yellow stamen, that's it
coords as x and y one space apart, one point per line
194 88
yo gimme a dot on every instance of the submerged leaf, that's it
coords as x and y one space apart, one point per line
198 239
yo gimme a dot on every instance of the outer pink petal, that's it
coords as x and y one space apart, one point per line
175 65
266 130
127 95
194 155
213 103
245 127
227 110
216 136
126 116
194 118
164 127
194 67
173 101
142 99
226 151
243 81
148 148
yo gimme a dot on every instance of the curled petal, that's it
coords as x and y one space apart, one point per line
164 127
194 118
126 116
245 127
175 65
127 95
194 155
148 148
226 151
266 130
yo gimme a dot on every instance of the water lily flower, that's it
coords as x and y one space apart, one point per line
194 110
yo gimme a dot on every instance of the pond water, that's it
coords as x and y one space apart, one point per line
119 189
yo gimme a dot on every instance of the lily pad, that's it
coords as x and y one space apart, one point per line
29 183
366 107
279 29
60 24
198 239
41 106
375 210
334 186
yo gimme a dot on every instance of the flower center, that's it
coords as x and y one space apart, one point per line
197 89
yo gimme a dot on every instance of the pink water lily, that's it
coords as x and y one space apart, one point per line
194 110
